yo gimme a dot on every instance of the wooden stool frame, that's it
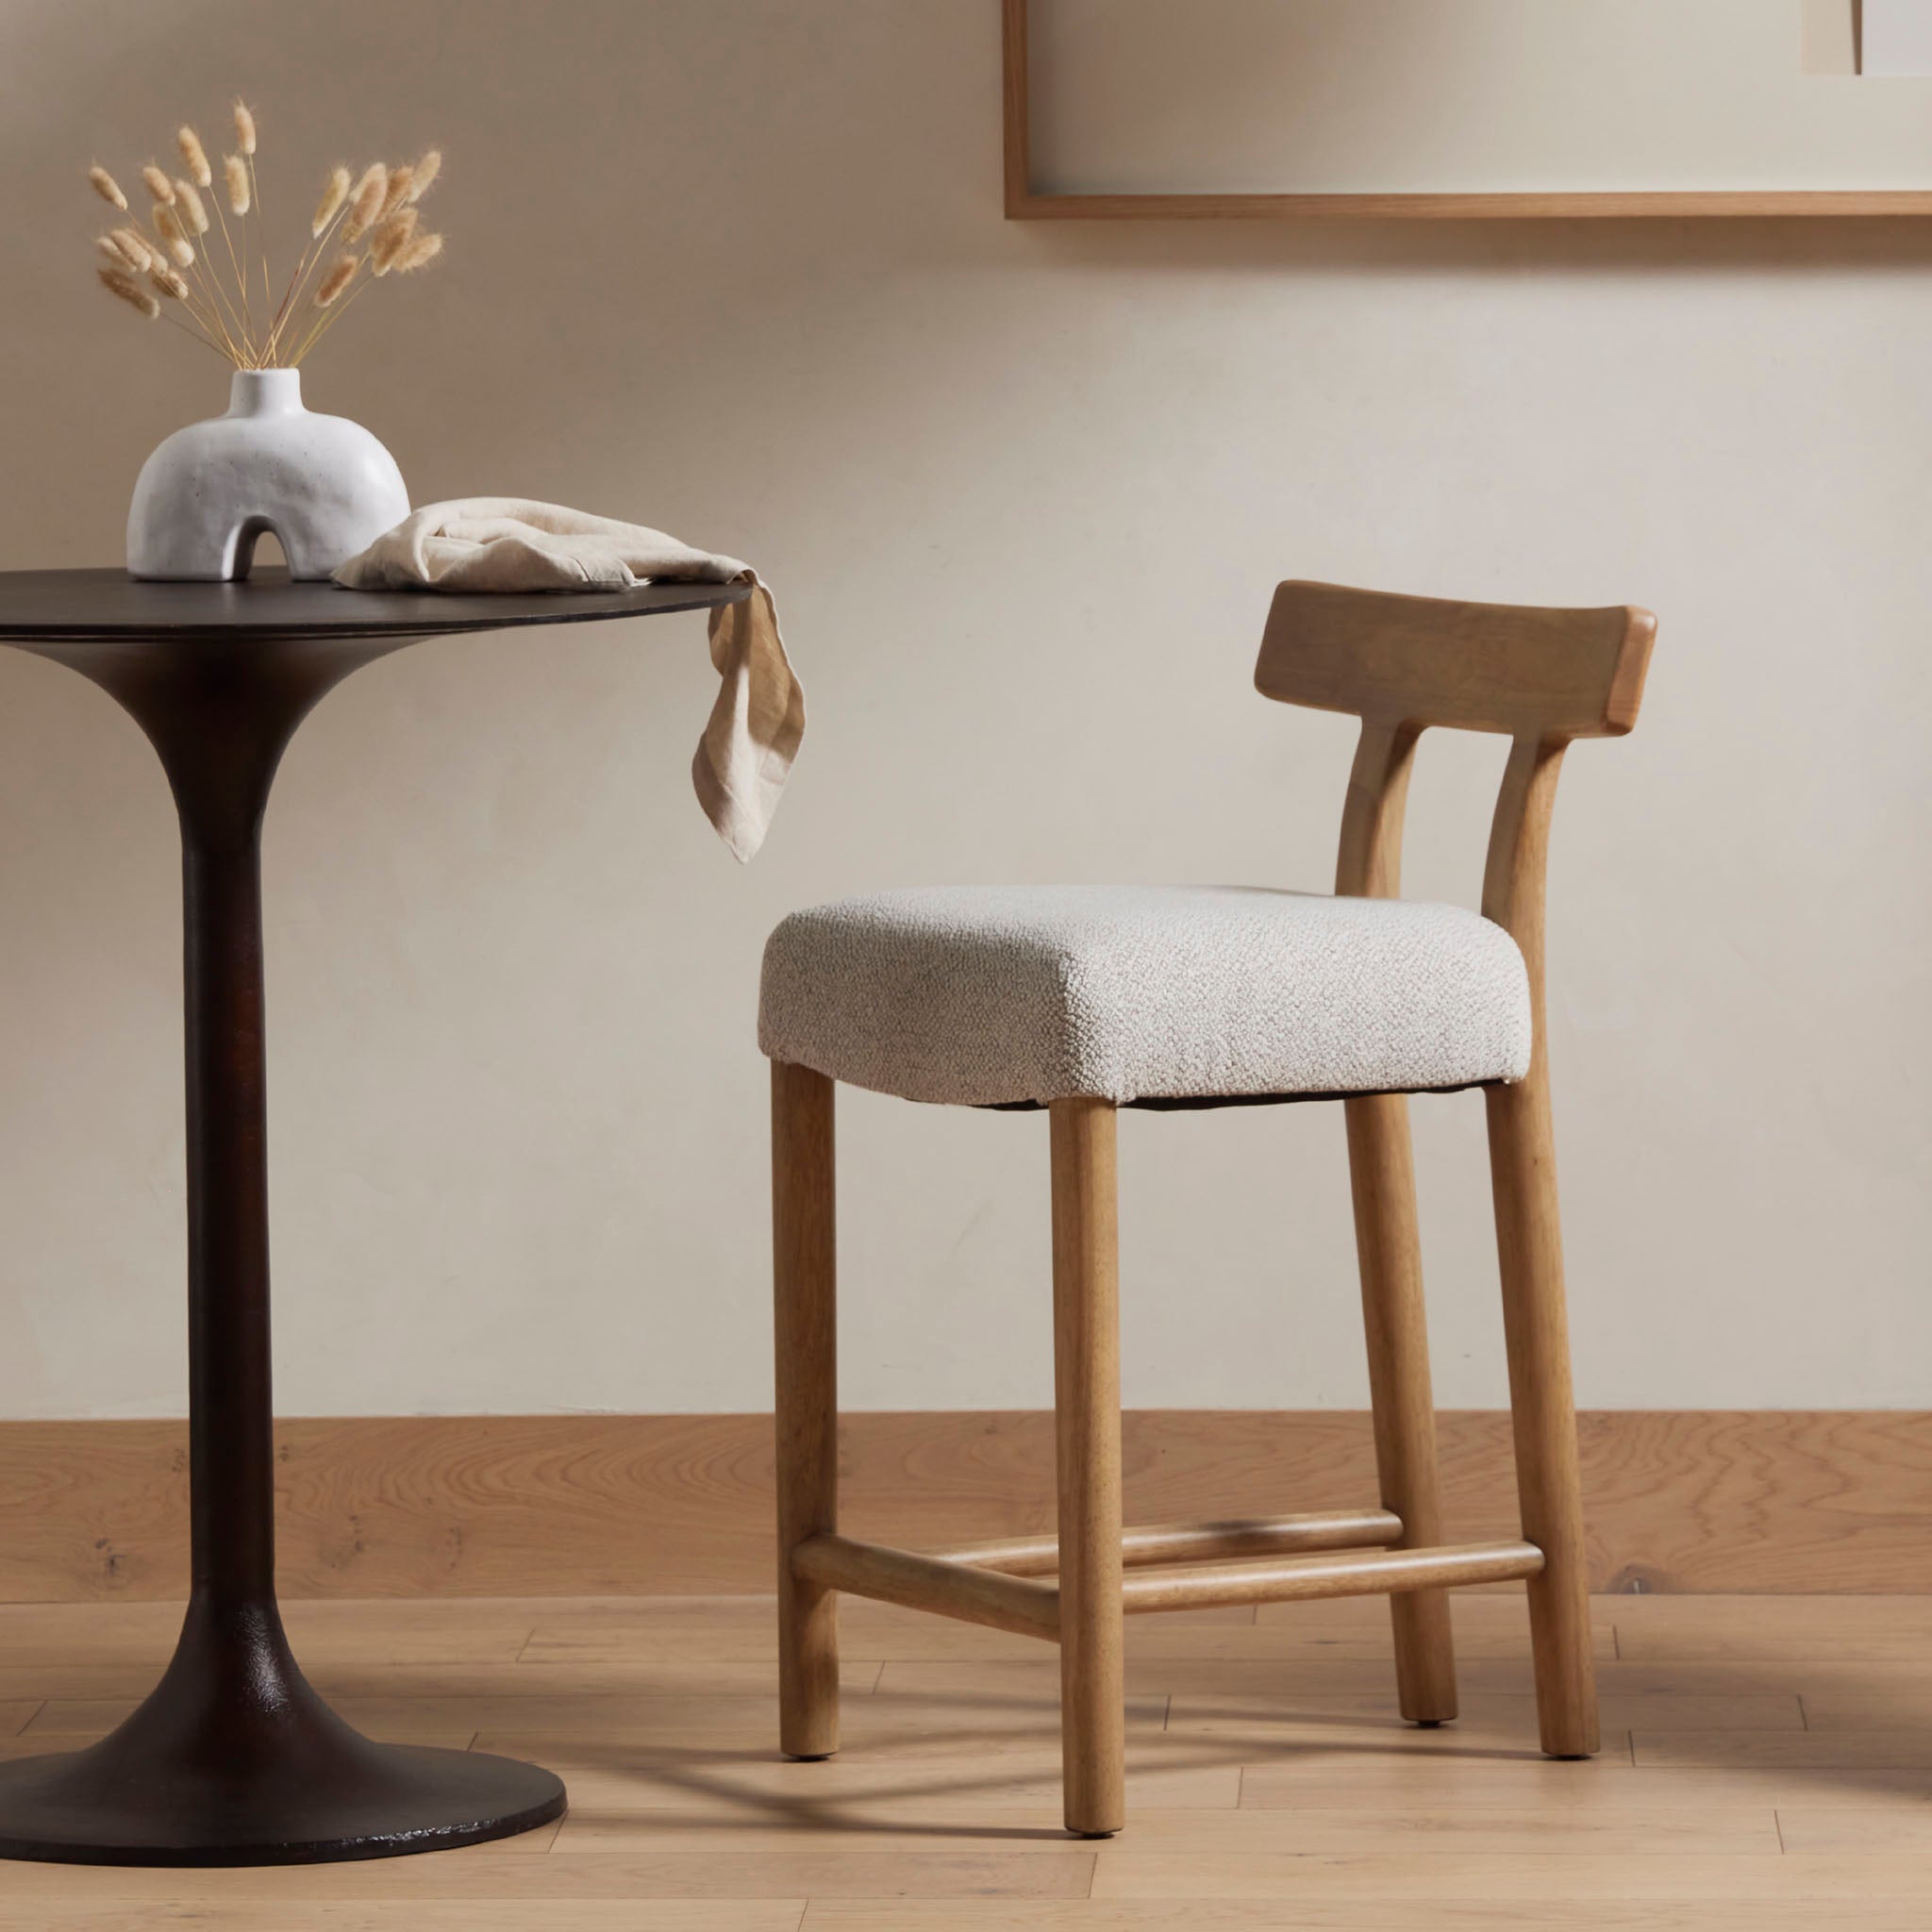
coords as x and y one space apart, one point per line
1400 665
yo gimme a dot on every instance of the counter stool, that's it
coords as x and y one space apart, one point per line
1086 999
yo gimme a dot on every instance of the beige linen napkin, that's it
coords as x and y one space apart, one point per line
483 543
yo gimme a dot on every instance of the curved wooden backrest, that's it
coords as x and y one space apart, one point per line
1480 667
1402 664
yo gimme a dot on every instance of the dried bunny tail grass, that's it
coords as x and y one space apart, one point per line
336 279
107 187
399 179
392 238
424 249
136 247
157 184
123 248
371 193
118 282
235 172
194 212
168 226
332 199
167 281
195 156
422 175
245 129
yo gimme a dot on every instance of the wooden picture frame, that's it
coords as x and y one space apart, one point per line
1024 203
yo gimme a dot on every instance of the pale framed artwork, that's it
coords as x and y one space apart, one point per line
1894 39
1229 109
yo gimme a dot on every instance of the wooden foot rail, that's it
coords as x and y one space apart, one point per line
1351 1573
1187 1543
930 1583
969 1587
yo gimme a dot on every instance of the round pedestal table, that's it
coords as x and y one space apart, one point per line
234 1759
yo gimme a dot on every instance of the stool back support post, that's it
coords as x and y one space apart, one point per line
1544 678
1381 1168
1529 1250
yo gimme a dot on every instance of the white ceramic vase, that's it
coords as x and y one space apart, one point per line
323 484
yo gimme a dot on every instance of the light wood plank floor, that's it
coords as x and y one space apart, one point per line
1767 1765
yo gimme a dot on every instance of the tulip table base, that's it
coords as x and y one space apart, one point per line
234 1759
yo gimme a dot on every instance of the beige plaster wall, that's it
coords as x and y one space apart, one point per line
737 267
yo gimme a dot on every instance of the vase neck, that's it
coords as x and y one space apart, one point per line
265 392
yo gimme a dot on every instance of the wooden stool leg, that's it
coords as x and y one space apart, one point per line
1530 1249
1382 1173
1087 1403
805 1298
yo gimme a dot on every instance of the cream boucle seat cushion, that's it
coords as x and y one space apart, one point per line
988 995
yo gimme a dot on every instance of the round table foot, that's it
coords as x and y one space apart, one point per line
85 1807
316 1793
